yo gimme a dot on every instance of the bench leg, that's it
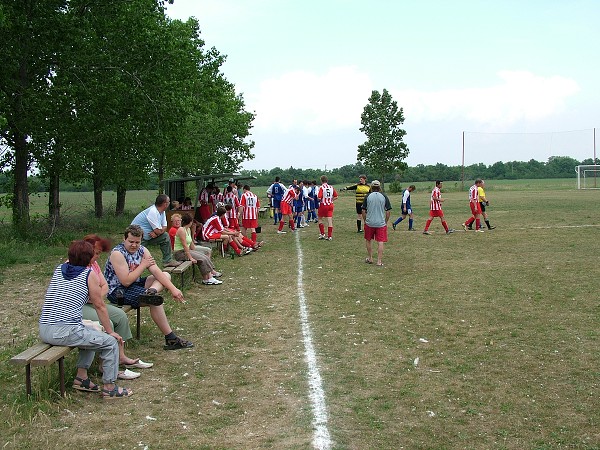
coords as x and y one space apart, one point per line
28 379
61 375
137 324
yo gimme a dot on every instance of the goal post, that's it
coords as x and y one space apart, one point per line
587 176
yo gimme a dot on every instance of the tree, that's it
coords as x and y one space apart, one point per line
384 151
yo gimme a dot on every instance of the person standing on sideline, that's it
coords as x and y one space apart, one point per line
435 209
362 190
483 202
153 221
376 213
327 195
275 193
406 209
475 208
249 211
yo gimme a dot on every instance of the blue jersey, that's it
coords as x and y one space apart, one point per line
277 191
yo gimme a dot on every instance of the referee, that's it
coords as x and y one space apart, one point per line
362 189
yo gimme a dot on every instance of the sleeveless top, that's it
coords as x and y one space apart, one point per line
65 298
133 261
188 239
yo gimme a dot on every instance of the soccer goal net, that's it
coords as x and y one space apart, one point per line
588 176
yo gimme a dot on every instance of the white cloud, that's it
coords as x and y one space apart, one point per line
311 102
520 95
317 103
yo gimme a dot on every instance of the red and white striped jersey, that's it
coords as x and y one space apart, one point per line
327 194
211 226
233 200
473 194
216 198
204 197
289 196
435 204
250 203
224 221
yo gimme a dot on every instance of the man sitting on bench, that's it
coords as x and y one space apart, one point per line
61 323
123 273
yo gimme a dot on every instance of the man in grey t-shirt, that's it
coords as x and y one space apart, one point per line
376 213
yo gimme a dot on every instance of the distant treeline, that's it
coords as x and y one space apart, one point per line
555 167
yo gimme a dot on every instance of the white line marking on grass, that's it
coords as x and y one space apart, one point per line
321 438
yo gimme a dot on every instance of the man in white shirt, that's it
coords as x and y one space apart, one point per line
153 221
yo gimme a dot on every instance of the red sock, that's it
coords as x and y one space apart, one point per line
329 231
247 242
254 237
470 221
427 224
445 225
322 228
280 225
477 224
235 247
292 226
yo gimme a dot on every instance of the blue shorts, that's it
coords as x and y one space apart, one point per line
298 208
131 293
276 203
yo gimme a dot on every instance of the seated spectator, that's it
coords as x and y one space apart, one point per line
153 222
123 273
117 316
185 250
175 205
213 229
240 239
187 204
176 221
72 285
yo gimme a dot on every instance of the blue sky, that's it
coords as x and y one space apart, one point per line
520 77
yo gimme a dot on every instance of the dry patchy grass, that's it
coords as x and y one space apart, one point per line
504 326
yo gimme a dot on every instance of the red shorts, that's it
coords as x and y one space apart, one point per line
379 233
249 223
326 210
286 209
436 213
233 223
213 236
475 208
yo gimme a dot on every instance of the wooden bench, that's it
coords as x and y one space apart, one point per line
262 211
180 270
41 355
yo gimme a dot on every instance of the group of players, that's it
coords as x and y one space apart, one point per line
303 202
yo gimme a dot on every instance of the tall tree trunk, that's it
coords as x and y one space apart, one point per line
54 199
98 208
121 192
21 218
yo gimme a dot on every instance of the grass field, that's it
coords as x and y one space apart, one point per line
462 341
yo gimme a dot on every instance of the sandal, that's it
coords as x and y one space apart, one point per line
114 393
85 385
368 261
177 343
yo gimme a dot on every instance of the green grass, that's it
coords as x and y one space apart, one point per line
511 320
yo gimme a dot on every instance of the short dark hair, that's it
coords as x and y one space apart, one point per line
161 200
221 210
277 179
80 253
438 182
246 187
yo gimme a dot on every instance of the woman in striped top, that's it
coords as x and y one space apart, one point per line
73 284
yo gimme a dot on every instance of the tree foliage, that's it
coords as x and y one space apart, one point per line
111 94
384 150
